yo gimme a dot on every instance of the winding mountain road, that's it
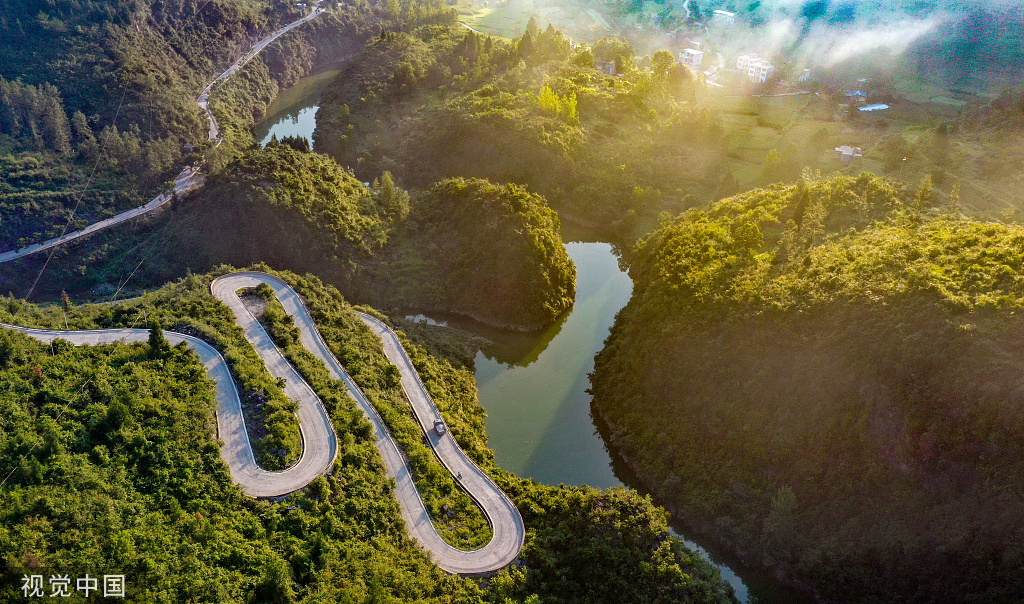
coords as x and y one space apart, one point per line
188 179
501 513
319 440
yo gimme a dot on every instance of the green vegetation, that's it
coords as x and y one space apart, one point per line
486 251
824 376
47 161
185 307
585 545
131 98
163 51
280 206
301 211
108 87
440 101
458 520
128 479
243 99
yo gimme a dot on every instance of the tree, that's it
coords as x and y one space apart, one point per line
584 58
954 200
622 64
924 195
532 28
299 143
748 236
391 200
525 48
158 343
607 49
661 61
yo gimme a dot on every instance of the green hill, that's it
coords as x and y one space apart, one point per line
279 206
826 378
608 152
112 466
97 100
483 250
474 248
471 247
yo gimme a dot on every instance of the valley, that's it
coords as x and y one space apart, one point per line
514 303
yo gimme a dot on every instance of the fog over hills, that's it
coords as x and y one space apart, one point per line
973 44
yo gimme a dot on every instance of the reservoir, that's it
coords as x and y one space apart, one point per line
293 112
533 385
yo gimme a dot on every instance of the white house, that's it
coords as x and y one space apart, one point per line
607 67
806 75
856 97
723 17
692 58
744 62
757 69
760 72
847 153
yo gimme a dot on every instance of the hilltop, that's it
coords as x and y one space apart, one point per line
453 247
116 445
825 378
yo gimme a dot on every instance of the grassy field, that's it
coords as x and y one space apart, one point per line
989 167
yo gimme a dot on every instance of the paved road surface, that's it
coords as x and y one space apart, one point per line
501 513
319 440
187 180
236 449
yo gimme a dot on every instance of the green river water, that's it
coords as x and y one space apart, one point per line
533 386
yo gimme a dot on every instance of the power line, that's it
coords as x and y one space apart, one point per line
100 156
81 195
59 415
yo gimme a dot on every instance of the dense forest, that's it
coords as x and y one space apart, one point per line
111 464
331 38
610 152
97 100
825 377
488 251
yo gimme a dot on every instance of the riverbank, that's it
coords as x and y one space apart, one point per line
773 584
533 386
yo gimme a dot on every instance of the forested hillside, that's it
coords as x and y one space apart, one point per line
159 53
112 464
471 247
491 252
338 35
279 206
826 378
610 152
97 100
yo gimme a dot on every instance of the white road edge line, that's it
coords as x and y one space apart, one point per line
188 179
319 439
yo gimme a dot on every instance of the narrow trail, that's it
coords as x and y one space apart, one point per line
320 443
187 180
